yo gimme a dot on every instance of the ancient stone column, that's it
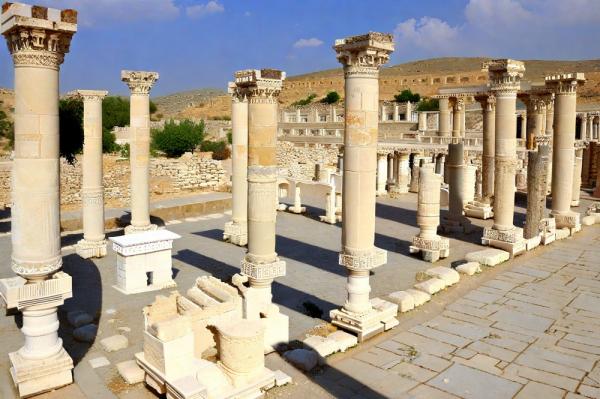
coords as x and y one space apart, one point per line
92 189
261 264
463 119
549 101
534 105
402 177
583 126
414 174
457 105
524 117
422 122
236 230
577 167
140 83
381 173
565 102
537 171
505 76
361 57
444 121
439 164
38 39
390 170
455 221
431 246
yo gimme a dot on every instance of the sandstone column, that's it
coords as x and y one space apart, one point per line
505 76
577 167
402 170
140 83
92 189
524 118
583 127
236 230
390 170
565 102
534 105
455 221
457 105
261 264
361 57
381 173
537 171
444 118
422 122
38 39
463 119
431 246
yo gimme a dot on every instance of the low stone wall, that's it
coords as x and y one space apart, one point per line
299 161
168 177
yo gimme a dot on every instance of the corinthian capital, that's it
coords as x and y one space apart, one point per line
37 36
505 75
260 85
139 82
237 94
89 95
565 83
368 51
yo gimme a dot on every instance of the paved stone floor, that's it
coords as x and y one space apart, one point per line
310 249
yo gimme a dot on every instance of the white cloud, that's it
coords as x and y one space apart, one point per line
95 12
489 15
202 10
312 42
430 34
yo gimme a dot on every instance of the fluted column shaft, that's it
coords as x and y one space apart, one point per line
444 118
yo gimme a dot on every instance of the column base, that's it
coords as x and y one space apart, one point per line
570 220
479 210
131 229
431 249
574 203
282 207
548 232
91 249
511 241
456 225
236 233
330 219
381 317
32 377
297 209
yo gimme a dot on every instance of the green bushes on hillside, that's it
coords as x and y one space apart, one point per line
176 139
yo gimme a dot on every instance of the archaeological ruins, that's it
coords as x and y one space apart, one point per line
311 247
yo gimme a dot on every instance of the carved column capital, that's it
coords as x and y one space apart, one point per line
505 75
260 85
364 54
566 83
139 82
89 95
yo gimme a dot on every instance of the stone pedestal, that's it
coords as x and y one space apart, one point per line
144 261
444 124
536 190
578 164
236 230
297 207
331 215
38 39
565 102
140 83
455 221
505 76
93 244
361 57
381 173
261 265
431 246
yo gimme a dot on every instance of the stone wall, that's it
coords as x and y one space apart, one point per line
169 178
299 161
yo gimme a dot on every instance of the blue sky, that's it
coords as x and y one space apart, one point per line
200 43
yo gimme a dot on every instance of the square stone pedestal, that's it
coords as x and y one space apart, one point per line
144 261
91 249
236 233
381 317
32 377
431 249
569 220
511 241
479 210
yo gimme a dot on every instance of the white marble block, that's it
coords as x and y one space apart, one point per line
144 261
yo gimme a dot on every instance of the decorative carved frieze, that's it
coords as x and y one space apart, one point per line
566 83
505 75
364 54
260 86
367 261
513 235
139 82
32 269
263 271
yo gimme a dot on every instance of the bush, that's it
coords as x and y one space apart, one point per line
109 144
153 107
407 95
220 118
219 149
230 136
70 112
115 112
6 128
331 98
125 150
221 154
305 101
176 139
429 104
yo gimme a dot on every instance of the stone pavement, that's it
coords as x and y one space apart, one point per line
529 329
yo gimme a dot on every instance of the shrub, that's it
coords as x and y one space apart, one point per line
429 104
230 136
70 111
407 95
109 144
125 150
331 98
6 129
176 139
153 107
306 100
115 112
219 149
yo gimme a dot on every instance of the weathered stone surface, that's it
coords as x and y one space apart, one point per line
419 296
488 257
323 346
431 286
303 358
343 340
459 380
99 362
448 275
403 299
562 233
131 372
114 343
469 268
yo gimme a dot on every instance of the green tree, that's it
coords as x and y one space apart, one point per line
176 139
429 104
230 136
153 107
219 149
70 112
305 101
6 129
115 112
407 95
331 98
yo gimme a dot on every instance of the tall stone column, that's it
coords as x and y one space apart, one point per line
537 171
140 83
463 119
583 127
524 117
534 105
261 265
402 178
38 39
361 56
549 101
505 76
381 173
457 106
455 221
390 170
422 122
565 102
577 167
444 118
92 190
236 230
